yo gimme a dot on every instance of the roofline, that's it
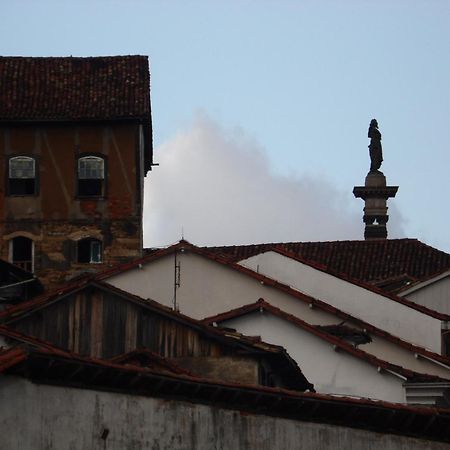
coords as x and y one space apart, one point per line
146 118
362 284
38 343
418 285
17 312
185 245
261 304
424 422
170 365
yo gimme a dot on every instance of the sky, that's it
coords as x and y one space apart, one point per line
260 109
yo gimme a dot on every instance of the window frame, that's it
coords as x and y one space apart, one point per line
8 179
103 180
92 241
11 253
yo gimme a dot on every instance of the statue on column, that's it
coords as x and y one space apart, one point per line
375 150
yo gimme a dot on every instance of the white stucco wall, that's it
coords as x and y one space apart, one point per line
434 295
208 288
42 417
395 354
380 311
331 372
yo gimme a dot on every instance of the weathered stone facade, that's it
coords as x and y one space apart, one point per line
55 217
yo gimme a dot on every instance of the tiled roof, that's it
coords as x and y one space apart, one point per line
262 305
368 261
288 368
150 360
72 88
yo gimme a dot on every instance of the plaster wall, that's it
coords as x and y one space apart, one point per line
40 417
388 351
435 295
331 371
380 311
208 288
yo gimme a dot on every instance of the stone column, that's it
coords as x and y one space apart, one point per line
375 194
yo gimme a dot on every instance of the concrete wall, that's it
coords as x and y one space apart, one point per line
382 312
331 372
39 417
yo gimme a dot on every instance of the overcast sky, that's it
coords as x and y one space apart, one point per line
261 108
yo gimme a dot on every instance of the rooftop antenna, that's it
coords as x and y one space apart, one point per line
176 281
182 233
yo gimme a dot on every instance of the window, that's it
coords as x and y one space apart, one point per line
21 253
91 176
89 251
22 176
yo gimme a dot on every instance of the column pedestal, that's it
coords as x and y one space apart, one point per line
375 194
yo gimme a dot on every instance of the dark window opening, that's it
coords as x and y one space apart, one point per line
352 335
265 377
89 251
91 176
22 176
22 253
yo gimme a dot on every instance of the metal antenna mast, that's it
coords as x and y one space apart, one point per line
176 281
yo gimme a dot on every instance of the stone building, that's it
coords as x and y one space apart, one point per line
76 144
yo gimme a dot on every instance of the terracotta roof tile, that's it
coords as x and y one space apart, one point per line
72 88
368 261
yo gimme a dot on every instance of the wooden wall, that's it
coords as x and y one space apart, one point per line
100 324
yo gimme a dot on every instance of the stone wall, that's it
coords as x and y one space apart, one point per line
41 417
56 216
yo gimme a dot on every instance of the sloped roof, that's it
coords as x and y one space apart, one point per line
72 88
151 360
287 368
232 262
72 370
368 261
262 305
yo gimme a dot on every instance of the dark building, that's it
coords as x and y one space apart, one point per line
76 143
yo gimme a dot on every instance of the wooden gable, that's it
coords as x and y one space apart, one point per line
100 323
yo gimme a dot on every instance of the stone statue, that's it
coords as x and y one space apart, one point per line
375 151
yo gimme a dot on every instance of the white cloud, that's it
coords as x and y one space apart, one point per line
216 186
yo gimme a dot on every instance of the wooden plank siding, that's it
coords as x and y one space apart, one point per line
100 324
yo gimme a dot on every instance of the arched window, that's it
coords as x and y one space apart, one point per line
21 252
91 176
89 250
22 176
